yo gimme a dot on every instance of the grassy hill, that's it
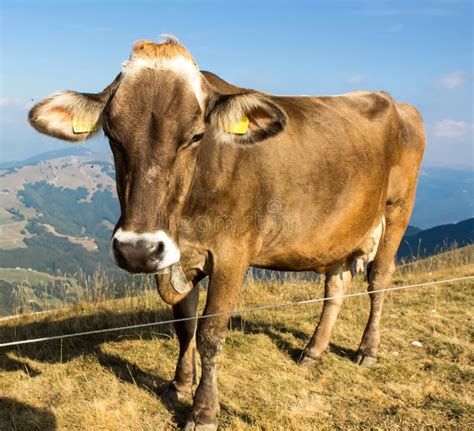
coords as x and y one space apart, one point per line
23 291
26 290
119 380
68 233
58 210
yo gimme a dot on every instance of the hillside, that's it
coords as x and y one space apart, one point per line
412 230
435 240
23 291
119 381
57 213
77 150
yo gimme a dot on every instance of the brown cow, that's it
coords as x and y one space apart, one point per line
213 178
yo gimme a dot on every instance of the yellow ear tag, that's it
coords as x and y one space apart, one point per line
80 125
239 128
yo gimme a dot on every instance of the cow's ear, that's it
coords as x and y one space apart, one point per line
245 118
70 115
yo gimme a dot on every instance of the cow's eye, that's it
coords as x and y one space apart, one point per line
196 138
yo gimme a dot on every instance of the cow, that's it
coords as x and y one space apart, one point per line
213 178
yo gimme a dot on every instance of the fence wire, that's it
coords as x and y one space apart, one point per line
231 312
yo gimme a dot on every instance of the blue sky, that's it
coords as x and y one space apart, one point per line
419 51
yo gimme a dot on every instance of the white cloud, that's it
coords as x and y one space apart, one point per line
452 128
4 101
355 80
453 80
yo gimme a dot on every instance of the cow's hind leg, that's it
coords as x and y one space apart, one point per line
186 373
336 283
380 277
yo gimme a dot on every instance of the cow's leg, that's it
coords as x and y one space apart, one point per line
380 277
186 373
336 283
224 287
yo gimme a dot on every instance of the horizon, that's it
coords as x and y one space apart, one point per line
419 51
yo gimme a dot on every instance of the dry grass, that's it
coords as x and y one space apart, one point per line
118 381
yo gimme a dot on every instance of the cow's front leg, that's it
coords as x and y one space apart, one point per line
186 373
222 294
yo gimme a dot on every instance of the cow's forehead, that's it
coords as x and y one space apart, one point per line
169 56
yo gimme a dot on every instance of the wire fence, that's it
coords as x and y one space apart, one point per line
231 312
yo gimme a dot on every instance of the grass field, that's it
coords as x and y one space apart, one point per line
118 381
21 275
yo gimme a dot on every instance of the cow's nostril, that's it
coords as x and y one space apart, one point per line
160 248
116 249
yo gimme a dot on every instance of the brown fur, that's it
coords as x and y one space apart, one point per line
315 177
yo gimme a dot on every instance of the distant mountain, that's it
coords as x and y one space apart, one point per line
412 230
49 155
58 210
436 240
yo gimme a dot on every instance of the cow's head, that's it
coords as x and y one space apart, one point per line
156 114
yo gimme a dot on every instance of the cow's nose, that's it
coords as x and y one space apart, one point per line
144 252
138 256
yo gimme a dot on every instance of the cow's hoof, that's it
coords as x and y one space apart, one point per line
306 361
178 396
365 360
193 426
184 396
